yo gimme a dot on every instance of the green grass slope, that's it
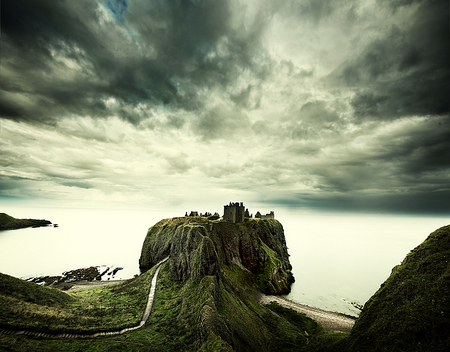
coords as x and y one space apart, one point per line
210 315
25 305
411 310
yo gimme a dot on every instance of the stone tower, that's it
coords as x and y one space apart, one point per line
234 212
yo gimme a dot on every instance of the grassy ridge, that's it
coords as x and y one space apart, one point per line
411 310
26 305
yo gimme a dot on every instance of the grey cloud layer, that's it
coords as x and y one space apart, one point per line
337 100
164 53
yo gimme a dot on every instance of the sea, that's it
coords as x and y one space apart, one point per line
339 260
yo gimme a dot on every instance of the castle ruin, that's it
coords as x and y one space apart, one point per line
271 215
236 212
233 212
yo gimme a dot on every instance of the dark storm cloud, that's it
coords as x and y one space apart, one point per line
413 157
221 122
150 53
424 151
248 98
407 71
421 203
77 184
31 31
309 10
402 75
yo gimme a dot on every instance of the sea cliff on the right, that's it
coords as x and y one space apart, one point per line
411 310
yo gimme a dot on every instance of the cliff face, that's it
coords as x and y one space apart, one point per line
214 270
198 248
411 310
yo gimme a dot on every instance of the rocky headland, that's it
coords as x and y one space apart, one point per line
10 223
199 247
207 296
220 267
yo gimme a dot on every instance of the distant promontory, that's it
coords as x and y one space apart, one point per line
9 223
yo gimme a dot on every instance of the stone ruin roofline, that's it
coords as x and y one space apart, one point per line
235 212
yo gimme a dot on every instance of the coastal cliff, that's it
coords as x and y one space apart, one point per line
215 272
411 310
198 247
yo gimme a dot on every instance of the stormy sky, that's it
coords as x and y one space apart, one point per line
317 104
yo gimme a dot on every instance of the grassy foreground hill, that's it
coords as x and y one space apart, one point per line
9 223
411 310
204 299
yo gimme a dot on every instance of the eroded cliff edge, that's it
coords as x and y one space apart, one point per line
199 247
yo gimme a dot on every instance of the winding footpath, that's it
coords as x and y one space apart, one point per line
330 321
144 319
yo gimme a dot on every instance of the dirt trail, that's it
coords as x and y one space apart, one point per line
331 321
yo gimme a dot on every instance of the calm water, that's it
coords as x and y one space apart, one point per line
84 238
337 258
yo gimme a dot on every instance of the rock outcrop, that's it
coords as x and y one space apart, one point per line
199 247
411 310
221 266
9 223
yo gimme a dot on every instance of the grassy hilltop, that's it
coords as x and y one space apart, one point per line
411 310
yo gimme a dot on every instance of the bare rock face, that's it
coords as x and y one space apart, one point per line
192 253
198 247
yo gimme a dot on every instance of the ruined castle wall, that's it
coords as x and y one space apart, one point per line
271 215
229 213
234 212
